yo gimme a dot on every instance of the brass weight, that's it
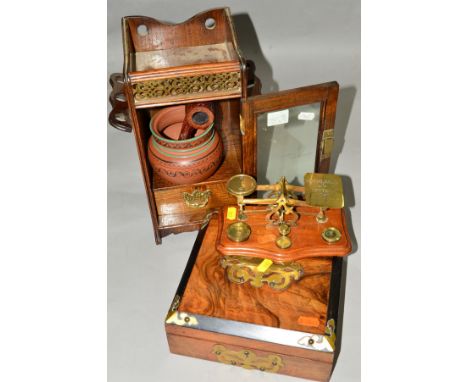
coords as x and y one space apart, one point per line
238 232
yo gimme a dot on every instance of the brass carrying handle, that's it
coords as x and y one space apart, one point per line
197 198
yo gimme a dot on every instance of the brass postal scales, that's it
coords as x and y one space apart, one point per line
289 223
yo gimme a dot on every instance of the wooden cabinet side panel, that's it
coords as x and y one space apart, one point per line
313 369
141 137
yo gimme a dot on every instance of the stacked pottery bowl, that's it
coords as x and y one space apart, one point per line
185 146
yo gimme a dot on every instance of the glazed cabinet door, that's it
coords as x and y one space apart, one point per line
289 132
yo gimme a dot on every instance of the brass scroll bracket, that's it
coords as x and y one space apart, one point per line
241 269
248 359
197 199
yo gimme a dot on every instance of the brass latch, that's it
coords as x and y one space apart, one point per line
326 144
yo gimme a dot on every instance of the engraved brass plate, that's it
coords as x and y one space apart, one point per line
238 232
248 359
241 185
323 190
187 86
241 269
197 199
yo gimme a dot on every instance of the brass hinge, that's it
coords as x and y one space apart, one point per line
326 144
241 124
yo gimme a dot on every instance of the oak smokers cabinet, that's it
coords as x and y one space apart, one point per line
199 61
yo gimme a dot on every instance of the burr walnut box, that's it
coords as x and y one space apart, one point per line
291 331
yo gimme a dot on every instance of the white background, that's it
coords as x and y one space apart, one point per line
53 194
293 44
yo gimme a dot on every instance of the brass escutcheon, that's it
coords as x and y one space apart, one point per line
197 199
248 359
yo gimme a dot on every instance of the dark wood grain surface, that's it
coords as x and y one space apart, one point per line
302 307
